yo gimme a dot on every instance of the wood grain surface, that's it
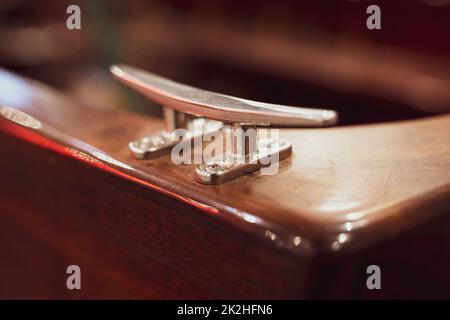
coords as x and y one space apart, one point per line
344 187
146 229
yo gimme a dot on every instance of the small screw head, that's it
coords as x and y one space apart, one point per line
217 166
151 142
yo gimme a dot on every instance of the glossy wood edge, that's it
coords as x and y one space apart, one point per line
56 141
285 238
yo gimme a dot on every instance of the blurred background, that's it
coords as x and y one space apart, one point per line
294 52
